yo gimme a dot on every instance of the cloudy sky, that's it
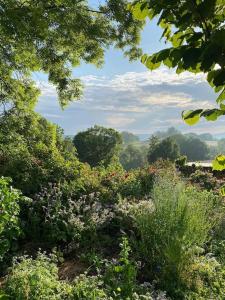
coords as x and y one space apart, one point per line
127 96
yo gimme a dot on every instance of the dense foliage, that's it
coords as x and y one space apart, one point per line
165 149
129 138
97 145
133 156
9 216
195 29
33 151
100 223
53 37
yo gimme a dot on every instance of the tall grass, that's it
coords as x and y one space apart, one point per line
174 231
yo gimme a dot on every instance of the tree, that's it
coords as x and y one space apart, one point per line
164 134
129 137
133 157
33 152
196 31
54 36
192 147
97 145
165 149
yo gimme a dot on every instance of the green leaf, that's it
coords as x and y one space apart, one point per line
221 97
144 58
218 163
212 114
191 117
151 65
140 11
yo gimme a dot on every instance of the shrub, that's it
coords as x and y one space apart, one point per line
35 279
56 217
34 152
205 180
9 220
170 232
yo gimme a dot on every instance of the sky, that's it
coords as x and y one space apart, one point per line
128 97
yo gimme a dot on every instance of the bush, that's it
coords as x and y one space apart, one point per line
55 217
9 216
34 152
35 279
205 180
171 231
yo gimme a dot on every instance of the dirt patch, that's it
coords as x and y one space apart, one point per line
71 269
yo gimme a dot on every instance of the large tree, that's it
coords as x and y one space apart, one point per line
97 145
165 149
192 147
196 31
54 36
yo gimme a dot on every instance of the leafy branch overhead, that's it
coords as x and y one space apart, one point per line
196 31
54 36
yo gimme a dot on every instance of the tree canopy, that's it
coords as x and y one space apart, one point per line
54 36
192 147
129 137
196 31
133 156
97 145
165 149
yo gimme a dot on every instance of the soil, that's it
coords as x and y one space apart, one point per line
70 269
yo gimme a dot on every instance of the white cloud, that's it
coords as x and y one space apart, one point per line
133 80
119 120
138 101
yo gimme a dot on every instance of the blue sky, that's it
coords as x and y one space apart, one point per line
127 96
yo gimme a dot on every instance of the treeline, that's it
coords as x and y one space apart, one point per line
170 144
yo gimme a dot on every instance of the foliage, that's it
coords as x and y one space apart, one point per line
120 275
129 138
97 145
133 157
9 216
88 288
204 179
33 151
171 229
195 29
205 278
181 161
166 149
36 36
35 279
193 147
171 131
55 216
